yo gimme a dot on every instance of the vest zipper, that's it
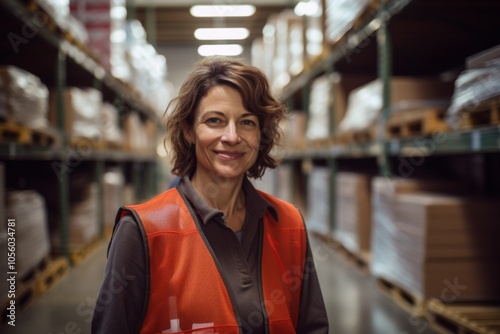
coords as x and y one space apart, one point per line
259 275
217 263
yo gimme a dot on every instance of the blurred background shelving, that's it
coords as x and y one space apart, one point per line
391 149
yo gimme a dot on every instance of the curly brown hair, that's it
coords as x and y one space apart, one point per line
254 89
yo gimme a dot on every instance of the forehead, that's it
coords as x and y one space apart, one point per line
223 99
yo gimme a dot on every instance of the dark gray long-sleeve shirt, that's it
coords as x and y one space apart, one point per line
122 302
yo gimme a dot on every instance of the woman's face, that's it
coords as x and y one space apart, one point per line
226 135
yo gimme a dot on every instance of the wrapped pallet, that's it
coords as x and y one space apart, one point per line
314 31
427 242
28 208
83 220
474 88
110 127
406 93
82 112
318 123
353 211
282 57
294 130
23 98
318 200
113 188
341 15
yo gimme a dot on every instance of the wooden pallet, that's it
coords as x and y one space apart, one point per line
80 254
413 304
485 114
359 260
356 137
420 122
463 318
26 293
22 134
87 145
54 272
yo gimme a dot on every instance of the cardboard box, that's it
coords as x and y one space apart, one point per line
82 109
353 211
366 102
422 241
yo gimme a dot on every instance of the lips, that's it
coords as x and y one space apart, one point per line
229 155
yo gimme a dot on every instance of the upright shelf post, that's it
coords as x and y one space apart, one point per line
384 74
63 177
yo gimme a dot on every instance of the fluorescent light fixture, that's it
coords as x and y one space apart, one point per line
306 8
221 33
222 10
220 50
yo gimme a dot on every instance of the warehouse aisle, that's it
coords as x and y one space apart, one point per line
354 304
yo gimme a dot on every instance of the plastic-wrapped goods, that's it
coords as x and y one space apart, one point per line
284 182
82 112
427 242
23 98
318 125
111 131
60 13
281 62
365 103
473 87
104 21
267 182
113 188
353 211
318 200
140 136
257 54
269 39
148 69
28 208
314 32
83 220
296 46
341 15
294 130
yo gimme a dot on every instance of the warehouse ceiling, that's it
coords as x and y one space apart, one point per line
175 26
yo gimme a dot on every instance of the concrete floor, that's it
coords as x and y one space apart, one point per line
354 304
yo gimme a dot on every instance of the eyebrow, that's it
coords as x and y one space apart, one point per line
247 114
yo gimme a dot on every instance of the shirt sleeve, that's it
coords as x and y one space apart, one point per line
122 297
313 318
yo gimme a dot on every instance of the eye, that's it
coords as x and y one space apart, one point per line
248 122
213 120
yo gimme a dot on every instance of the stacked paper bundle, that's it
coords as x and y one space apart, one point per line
28 208
353 211
428 243
318 200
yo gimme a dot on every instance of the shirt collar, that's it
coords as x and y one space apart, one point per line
255 204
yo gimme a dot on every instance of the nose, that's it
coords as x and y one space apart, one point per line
230 134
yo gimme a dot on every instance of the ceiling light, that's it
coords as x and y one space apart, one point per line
309 8
222 10
221 33
220 50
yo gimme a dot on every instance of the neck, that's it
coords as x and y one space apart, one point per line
221 193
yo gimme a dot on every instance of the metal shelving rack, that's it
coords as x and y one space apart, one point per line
398 39
59 63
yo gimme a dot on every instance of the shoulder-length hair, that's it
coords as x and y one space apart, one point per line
254 89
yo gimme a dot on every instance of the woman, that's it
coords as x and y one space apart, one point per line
214 255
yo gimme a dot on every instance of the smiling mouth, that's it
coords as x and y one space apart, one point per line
229 155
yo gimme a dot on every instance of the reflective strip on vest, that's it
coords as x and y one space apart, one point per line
187 291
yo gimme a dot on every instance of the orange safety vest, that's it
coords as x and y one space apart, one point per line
184 279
